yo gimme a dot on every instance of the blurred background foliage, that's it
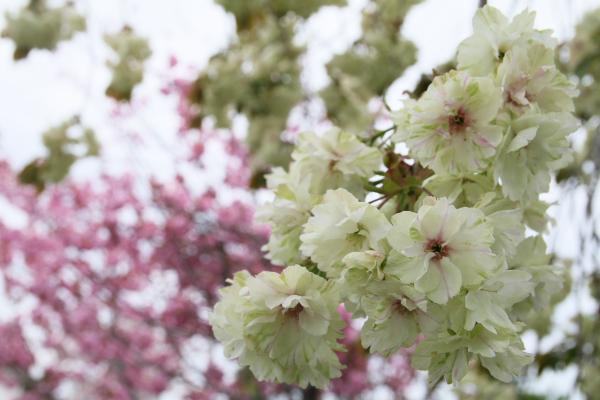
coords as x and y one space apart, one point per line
259 75
65 144
39 26
131 51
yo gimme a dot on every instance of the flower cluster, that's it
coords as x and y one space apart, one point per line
324 162
259 318
430 249
259 76
64 144
369 66
40 26
128 68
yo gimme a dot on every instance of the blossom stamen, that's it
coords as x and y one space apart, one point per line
293 312
438 248
458 121
399 308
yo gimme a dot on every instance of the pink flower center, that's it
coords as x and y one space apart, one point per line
438 248
293 312
458 121
398 307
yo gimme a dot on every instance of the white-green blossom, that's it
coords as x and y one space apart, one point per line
508 362
341 225
446 357
453 267
530 78
506 218
396 315
489 304
494 36
451 129
448 354
227 317
285 326
531 258
287 213
361 270
336 159
441 249
538 146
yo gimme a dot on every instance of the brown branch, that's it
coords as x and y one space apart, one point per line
482 3
311 393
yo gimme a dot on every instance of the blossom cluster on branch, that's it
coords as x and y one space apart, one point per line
259 76
128 69
64 144
38 26
429 247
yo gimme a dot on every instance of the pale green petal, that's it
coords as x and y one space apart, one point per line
434 219
406 269
313 324
522 139
477 55
389 336
398 236
441 282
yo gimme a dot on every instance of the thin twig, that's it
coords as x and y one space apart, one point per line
378 199
384 201
384 141
428 192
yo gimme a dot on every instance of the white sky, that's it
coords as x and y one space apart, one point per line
46 88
